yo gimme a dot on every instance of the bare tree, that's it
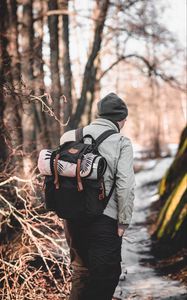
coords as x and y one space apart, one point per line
54 67
10 83
67 74
3 60
13 104
89 77
28 117
42 119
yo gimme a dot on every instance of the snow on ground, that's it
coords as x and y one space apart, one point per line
138 281
154 170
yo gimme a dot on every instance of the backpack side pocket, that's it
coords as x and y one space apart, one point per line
49 190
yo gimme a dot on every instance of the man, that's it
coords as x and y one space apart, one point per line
95 247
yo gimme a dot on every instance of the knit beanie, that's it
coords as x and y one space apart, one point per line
112 107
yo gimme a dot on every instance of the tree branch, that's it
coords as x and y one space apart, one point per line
152 70
90 71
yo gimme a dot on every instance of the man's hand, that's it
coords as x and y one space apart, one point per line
121 229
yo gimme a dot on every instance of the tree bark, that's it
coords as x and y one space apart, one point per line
13 41
43 136
13 115
67 87
95 90
55 76
28 117
3 60
171 223
90 72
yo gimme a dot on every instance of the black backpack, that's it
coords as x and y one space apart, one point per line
76 197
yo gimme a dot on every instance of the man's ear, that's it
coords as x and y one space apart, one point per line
121 123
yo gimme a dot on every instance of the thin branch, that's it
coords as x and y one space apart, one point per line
47 109
171 80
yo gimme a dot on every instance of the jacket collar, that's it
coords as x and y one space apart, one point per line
105 122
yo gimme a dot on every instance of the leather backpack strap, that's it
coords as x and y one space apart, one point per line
79 134
56 180
79 180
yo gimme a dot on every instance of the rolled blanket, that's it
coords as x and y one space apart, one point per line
92 166
64 168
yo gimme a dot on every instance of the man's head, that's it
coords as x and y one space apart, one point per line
113 108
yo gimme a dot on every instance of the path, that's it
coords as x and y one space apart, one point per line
142 282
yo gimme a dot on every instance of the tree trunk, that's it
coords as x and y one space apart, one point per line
13 41
13 115
55 77
3 60
28 117
171 223
43 136
90 71
67 87
96 91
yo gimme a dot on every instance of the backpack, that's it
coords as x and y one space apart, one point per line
77 193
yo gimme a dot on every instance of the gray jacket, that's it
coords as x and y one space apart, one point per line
118 152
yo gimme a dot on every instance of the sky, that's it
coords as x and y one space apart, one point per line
175 18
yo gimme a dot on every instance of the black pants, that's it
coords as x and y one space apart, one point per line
95 250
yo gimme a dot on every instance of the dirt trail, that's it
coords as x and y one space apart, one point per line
142 282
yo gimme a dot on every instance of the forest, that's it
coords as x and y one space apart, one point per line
57 59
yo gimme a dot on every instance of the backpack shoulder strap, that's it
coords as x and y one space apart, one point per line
111 191
80 137
103 136
98 141
79 134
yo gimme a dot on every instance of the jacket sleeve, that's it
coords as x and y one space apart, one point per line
125 183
